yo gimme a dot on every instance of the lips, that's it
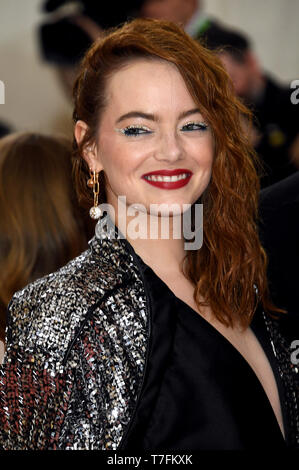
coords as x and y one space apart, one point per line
168 179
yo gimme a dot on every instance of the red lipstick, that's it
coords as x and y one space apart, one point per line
179 183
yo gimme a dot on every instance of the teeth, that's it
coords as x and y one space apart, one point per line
167 178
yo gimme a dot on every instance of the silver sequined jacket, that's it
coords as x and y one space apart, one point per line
77 343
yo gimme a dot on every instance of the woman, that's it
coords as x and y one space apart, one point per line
143 343
40 227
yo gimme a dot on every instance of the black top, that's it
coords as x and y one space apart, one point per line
279 233
199 392
277 121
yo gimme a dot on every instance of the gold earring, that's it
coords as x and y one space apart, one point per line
93 182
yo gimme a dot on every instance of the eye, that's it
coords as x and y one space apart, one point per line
194 126
134 131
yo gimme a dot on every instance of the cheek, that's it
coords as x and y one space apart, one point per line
121 155
111 156
203 152
121 160
240 83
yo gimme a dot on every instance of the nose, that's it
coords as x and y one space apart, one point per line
169 147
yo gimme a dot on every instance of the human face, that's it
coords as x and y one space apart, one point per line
240 74
152 124
178 11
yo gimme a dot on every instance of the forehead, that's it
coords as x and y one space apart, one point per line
148 82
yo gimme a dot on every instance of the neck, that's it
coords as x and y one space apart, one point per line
157 240
163 256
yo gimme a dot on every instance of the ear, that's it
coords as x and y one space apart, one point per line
90 152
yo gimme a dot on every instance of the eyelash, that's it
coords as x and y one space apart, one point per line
126 130
130 131
202 126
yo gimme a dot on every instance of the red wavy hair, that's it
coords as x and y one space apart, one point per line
229 270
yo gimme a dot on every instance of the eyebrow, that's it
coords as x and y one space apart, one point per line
153 117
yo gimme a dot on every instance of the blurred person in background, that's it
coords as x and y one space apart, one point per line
188 13
41 227
4 129
279 231
276 132
71 28
279 234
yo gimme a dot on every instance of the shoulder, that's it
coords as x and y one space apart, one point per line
46 312
45 317
278 213
281 193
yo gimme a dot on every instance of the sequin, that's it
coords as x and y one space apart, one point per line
77 345
76 351
289 376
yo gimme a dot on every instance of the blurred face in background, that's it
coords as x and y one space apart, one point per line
178 11
243 74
